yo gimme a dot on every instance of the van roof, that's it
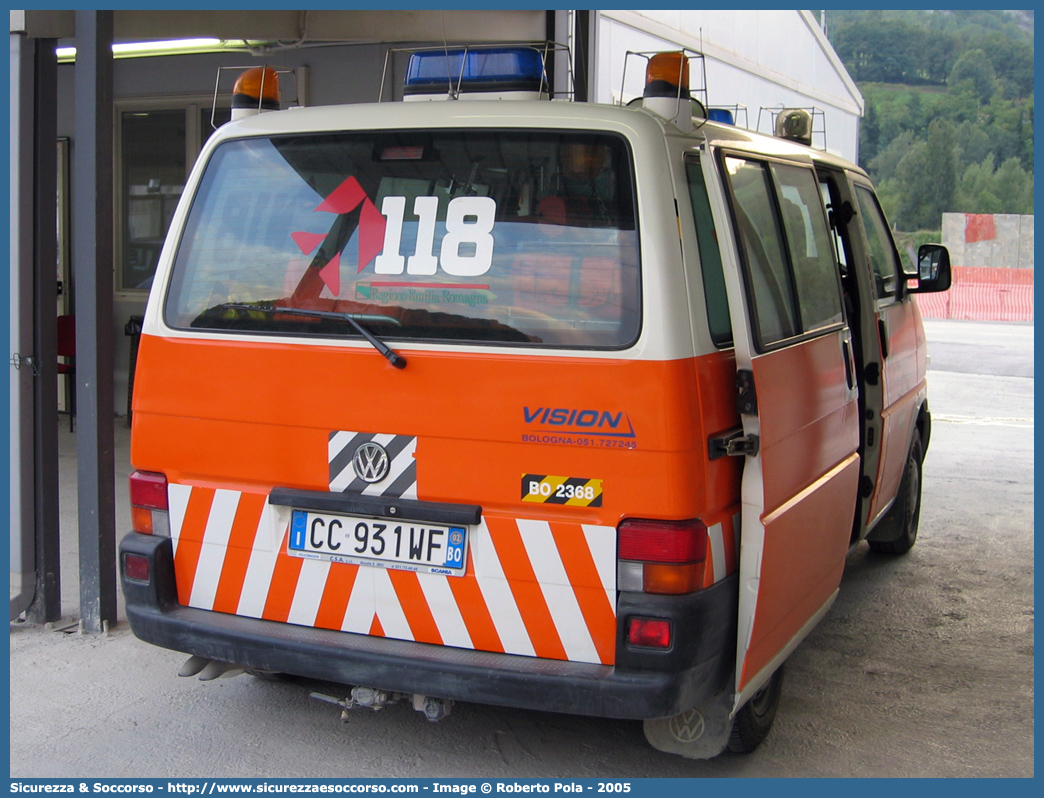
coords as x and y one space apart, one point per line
513 114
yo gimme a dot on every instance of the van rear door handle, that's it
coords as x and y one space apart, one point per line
846 353
732 444
882 330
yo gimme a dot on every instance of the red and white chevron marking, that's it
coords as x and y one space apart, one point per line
532 587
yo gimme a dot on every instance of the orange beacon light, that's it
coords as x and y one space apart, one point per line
255 90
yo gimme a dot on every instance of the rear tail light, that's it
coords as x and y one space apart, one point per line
148 498
665 557
136 567
649 632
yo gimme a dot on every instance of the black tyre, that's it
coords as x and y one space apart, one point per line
897 532
754 720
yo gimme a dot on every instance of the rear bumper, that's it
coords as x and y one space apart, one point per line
643 684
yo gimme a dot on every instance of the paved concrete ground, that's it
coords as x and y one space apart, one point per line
924 666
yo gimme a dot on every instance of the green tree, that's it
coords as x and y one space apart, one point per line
1008 189
943 90
869 134
883 167
973 144
927 174
974 66
1015 186
976 191
890 193
941 169
1012 61
1009 124
911 188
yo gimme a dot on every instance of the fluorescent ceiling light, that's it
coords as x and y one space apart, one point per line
142 49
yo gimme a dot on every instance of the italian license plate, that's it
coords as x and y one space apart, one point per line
381 542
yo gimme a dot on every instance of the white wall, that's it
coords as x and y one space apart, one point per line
753 58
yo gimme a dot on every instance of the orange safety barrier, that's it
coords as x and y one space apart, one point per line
983 294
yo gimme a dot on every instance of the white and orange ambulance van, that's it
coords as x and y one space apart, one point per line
539 404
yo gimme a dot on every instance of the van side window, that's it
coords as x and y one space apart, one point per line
710 256
792 272
811 252
826 189
879 241
769 278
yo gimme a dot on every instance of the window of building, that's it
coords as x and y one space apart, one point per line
157 144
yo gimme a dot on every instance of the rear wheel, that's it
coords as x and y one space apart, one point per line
897 532
698 733
754 719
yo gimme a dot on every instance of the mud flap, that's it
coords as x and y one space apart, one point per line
699 733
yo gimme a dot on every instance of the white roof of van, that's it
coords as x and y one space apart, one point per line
513 114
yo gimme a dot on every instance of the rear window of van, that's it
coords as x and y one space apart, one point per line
492 236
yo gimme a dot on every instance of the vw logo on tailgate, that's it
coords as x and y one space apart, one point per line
371 462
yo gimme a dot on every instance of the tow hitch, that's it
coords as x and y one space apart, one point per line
434 709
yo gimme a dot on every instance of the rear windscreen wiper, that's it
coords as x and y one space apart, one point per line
394 357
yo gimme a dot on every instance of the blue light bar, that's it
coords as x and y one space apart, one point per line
723 115
488 69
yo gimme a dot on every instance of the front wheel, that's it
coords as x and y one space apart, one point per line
897 532
754 720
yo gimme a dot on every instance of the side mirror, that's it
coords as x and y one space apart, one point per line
933 270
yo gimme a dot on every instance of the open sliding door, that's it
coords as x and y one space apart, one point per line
797 391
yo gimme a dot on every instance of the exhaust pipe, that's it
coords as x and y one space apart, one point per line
209 669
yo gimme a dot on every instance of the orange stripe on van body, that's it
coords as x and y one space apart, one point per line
336 592
523 582
284 584
237 554
547 614
190 541
590 594
715 383
473 610
415 606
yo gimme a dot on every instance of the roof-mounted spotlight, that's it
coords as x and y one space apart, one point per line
795 124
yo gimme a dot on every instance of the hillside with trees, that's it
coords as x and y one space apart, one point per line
948 125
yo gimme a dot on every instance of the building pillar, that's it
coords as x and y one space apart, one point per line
21 355
47 604
93 270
